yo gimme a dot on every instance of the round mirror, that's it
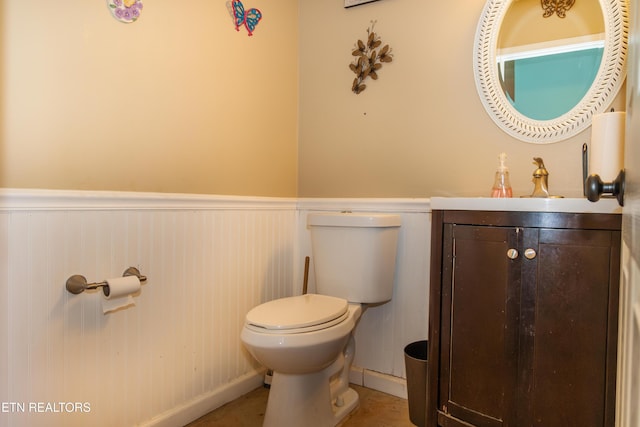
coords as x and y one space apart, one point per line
542 79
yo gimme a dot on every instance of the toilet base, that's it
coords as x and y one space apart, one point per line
305 400
350 399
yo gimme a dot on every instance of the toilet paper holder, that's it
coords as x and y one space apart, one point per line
77 283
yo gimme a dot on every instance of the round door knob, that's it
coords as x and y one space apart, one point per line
512 253
594 188
530 253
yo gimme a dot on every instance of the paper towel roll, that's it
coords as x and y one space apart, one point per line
607 145
118 293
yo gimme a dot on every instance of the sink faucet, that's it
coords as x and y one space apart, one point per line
540 179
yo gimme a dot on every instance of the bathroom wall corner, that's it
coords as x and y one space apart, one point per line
385 383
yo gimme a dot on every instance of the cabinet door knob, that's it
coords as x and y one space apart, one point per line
530 253
512 253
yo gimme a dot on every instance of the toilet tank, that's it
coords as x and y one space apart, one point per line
354 254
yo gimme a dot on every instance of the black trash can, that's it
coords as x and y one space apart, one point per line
415 362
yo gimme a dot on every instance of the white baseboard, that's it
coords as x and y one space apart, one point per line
378 381
196 408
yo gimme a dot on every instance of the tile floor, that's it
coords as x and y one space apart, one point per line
376 409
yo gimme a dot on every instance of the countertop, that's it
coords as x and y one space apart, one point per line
527 204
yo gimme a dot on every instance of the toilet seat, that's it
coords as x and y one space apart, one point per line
299 314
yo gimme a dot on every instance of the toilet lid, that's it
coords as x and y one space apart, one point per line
297 312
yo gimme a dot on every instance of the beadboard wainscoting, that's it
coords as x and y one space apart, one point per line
173 356
177 353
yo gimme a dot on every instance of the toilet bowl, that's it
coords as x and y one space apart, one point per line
307 341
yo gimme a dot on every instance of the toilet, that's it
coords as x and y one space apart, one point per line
307 340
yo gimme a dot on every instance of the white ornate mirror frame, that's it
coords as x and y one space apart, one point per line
605 87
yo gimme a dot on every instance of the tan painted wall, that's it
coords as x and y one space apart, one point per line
176 102
180 102
420 129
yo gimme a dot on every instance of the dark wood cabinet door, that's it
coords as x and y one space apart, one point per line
568 329
526 339
480 311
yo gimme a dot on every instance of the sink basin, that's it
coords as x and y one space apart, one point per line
569 205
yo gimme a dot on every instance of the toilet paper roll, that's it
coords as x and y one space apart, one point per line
117 293
607 145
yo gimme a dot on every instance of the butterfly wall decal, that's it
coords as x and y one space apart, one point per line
249 18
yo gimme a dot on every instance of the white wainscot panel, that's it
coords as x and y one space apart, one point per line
176 354
170 358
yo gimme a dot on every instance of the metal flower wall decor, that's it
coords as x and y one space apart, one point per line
368 60
559 7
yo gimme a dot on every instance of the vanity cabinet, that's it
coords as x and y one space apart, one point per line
523 319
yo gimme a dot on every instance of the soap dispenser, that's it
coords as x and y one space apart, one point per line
501 184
